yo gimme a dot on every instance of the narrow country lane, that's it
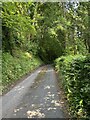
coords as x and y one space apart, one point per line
35 97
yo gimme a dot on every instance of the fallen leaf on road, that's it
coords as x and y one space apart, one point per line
47 87
46 98
16 110
36 113
57 103
51 108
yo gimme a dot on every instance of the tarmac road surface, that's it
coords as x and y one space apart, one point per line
35 97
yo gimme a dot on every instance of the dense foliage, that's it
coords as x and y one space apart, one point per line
49 30
15 67
32 30
75 72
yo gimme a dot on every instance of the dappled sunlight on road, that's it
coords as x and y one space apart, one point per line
49 103
19 89
51 108
35 114
42 98
48 86
49 70
38 71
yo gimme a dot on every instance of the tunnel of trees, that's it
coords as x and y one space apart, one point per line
46 29
34 33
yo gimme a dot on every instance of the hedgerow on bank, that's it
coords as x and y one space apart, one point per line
14 67
75 72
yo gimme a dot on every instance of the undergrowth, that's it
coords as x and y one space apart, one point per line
14 67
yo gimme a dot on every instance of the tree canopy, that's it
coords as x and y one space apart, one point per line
46 29
35 33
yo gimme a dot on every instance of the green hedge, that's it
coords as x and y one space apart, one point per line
15 67
75 72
